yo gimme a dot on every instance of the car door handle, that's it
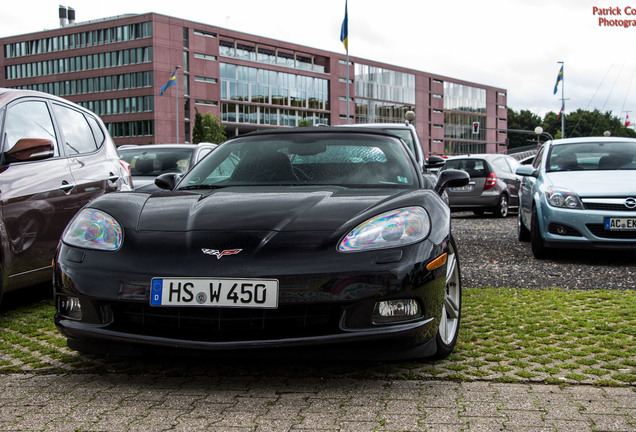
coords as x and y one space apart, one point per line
66 187
112 177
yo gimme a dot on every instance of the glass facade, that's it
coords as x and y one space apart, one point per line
463 106
79 40
131 129
80 63
272 91
94 85
382 95
121 105
269 55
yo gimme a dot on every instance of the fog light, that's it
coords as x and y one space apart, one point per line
70 307
561 230
391 311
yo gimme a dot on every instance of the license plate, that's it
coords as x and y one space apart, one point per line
620 224
240 293
466 188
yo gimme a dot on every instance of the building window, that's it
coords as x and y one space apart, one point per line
205 79
460 97
205 56
204 34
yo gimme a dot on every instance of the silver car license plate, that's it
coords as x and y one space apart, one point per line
467 188
202 292
620 224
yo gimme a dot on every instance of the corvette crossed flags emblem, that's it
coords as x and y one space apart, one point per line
219 254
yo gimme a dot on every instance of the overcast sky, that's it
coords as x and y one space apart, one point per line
512 44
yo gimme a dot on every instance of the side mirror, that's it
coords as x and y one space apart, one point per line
30 149
167 181
527 170
451 178
435 162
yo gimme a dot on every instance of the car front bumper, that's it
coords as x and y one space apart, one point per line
584 228
330 308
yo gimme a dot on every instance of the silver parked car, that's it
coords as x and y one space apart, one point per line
494 186
149 161
580 193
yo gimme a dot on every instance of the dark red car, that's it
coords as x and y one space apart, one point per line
55 157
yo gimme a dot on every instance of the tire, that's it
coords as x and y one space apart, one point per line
524 232
501 211
448 330
539 250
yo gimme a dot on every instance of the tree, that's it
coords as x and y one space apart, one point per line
580 123
525 121
207 128
305 122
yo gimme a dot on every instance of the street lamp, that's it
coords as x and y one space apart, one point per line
539 131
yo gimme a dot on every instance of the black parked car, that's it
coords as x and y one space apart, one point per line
55 157
494 186
287 238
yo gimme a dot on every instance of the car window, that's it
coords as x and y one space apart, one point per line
202 154
405 134
536 163
29 119
77 132
152 162
98 131
363 160
474 167
586 156
502 165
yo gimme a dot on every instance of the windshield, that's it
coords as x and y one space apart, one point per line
592 156
474 167
152 162
351 159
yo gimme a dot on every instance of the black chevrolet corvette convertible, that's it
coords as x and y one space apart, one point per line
326 237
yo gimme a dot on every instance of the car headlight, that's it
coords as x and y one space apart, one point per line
391 229
563 198
94 229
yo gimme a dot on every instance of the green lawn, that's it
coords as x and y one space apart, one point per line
507 335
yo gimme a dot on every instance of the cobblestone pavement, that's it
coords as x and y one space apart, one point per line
144 403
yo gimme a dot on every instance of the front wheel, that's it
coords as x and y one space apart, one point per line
448 330
539 250
524 233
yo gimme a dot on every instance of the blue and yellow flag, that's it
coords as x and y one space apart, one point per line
559 78
344 30
172 81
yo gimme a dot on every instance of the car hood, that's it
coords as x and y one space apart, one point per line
259 209
620 183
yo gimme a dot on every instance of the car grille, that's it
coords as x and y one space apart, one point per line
223 324
599 231
608 207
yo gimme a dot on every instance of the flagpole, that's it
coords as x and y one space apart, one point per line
348 104
563 101
344 38
176 83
